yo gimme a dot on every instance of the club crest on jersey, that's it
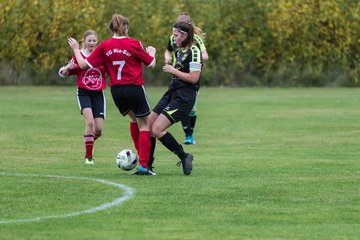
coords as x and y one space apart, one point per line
93 79
184 57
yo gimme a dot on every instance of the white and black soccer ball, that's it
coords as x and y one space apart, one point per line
127 159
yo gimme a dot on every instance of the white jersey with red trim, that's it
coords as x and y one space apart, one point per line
90 79
122 58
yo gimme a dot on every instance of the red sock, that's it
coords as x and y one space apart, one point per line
89 145
144 148
135 134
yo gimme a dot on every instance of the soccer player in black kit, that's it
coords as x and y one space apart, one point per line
180 97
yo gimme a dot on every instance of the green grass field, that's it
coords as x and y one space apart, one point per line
268 164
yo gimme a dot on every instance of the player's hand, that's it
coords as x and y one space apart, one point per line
168 68
151 50
73 65
73 43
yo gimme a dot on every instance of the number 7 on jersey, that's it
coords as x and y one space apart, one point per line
121 65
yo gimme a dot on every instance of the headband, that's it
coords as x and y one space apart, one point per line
180 30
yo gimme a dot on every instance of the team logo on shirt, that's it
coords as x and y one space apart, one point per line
184 57
93 79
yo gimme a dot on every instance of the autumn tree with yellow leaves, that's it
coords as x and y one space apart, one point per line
250 42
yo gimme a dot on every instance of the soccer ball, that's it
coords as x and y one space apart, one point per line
126 159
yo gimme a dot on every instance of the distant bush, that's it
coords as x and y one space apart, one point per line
250 42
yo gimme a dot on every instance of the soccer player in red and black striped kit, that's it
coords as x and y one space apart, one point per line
122 57
90 93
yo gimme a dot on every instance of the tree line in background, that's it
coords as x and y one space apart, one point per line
250 42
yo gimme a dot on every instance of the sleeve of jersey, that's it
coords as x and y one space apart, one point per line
73 71
170 46
195 60
143 55
59 72
96 57
200 43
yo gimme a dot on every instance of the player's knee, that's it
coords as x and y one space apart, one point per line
156 131
97 134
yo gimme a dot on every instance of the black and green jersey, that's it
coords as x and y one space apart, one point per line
187 60
173 48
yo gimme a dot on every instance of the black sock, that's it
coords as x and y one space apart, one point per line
192 124
170 143
152 150
186 124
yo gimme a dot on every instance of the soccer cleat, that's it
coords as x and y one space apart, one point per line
143 171
189 140
150 164
186 163
89 161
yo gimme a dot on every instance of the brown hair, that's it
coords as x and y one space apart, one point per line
85 35
185 17
119 25
185 27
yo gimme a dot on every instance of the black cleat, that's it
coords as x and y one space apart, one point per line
186 163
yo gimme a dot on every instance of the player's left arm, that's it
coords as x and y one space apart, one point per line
151 51
191 77
68 69
145 55
201 45
205 55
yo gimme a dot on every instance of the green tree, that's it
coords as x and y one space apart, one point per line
250 42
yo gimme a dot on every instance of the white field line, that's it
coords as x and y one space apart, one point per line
128 193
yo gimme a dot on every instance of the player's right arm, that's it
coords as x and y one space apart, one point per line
75 46
168 58
169 50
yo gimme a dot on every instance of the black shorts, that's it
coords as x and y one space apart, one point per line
176 104
94 100
131 98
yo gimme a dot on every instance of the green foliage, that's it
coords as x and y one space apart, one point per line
44 28
250 42
317 36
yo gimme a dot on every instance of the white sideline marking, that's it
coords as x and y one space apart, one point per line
129 193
